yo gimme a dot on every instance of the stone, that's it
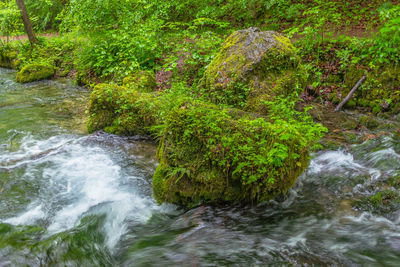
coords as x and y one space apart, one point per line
252 66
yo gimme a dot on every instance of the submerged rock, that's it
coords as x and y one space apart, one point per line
35 72
253 66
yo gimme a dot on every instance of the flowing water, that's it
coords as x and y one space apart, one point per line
72 199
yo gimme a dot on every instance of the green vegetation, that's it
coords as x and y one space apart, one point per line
219 99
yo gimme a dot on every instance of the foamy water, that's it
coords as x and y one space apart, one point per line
77 180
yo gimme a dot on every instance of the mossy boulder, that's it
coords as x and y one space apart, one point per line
143 81
8 59
252 66
122 110
214 155
35 72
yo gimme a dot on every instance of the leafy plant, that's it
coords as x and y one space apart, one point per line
10 19
386 48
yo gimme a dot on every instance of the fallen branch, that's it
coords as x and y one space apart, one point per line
348 97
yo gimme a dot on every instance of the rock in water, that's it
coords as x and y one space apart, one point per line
213 155
252 66
35 72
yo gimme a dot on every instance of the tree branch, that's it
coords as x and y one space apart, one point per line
348 97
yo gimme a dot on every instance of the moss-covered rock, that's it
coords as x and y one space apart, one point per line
8 59
213 155
251 67
35 72
143 81
122 110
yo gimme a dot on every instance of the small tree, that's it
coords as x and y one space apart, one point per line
27 22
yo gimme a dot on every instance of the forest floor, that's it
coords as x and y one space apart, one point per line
24 37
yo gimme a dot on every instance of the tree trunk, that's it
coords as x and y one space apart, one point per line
27 22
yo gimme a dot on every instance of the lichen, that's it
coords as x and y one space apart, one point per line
35 72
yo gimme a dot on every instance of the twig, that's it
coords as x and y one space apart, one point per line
363 78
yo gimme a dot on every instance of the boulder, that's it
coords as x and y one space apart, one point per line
252 66
122 110
35 72
8 59
217 155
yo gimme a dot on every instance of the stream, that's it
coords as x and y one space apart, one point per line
68 198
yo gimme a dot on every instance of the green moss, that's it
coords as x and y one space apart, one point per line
121 110
143 81
380 90
35 72
351 104
376 109
16 235
214 155
8 59
334 97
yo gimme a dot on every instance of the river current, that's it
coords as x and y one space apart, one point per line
68 198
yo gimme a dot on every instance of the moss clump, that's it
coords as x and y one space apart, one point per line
143 81
252 65
214 155
8 59
35 72
122 110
